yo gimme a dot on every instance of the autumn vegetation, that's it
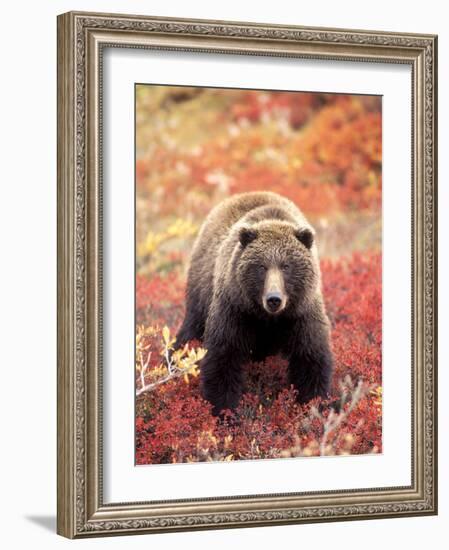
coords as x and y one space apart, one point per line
323 151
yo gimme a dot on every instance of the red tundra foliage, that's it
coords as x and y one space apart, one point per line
174 423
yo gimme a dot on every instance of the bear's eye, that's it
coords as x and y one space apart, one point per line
285 267
262 268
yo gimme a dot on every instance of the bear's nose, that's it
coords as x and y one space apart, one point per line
274 301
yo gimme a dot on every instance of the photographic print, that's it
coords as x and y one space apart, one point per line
258 255
247 278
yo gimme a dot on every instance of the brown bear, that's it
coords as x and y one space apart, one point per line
254 290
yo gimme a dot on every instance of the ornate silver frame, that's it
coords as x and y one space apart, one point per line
81 39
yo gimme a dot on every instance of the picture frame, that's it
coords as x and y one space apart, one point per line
82 40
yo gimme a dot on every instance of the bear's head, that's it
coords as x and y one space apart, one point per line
277 269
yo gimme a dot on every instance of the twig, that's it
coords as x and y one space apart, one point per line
153 385
334 420
181 363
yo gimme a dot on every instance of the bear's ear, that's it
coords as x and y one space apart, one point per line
247 235
304 236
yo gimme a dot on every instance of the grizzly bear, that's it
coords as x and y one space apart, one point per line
254 290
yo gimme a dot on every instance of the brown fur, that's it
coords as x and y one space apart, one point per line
228 296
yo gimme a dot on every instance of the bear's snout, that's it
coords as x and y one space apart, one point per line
274 301
274 296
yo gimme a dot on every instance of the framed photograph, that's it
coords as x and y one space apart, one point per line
247 274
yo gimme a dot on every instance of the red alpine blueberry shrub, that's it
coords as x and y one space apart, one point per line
175 424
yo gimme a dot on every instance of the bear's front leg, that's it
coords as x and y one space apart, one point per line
221 379
192 327
310 359
228 348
